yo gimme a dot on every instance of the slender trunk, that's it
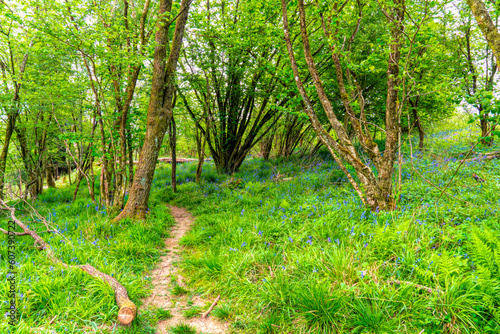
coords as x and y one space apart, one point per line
417 123
78 181
14 112
91 186
11 120
485 128
130 159
266 145
50 174
69 170
159 109
173 140
121 179
201 155
421 133
374 190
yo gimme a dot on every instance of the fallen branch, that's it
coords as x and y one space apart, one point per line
204 315
127 309
20 234
477 178
418 286
487 156
288 178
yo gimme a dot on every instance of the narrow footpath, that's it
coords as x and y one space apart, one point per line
163 283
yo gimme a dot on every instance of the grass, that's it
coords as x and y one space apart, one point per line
192 312
304 255
301 256
182 329
162 314
62 300
178 290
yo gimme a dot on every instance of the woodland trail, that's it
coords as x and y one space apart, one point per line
163 283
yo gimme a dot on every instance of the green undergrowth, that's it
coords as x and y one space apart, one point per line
303 255
53 298
287 245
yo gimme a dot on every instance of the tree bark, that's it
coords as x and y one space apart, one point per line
266 145
50 174
417 123
173 139
487 27
159 109
200 149
11 121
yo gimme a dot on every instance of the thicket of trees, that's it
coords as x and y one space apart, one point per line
94 86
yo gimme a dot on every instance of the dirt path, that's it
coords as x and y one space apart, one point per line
163 283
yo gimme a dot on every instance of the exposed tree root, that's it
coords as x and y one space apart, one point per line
127 309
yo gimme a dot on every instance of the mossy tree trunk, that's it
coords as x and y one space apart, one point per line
487 26
159 110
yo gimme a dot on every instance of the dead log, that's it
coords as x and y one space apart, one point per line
127 309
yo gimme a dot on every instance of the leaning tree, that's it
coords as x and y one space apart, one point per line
368 168
160 108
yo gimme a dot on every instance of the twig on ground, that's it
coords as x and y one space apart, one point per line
422 287
204 315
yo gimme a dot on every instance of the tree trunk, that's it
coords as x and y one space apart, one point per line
69 170
487 26
201 140
130 159
486 138
266 145
14 111
11 121
159 109
50 174
121 175
417 123
173 140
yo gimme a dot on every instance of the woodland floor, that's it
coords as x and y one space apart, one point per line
165 278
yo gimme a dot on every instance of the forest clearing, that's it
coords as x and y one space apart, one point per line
249 166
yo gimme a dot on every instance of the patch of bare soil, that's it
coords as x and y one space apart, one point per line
162 283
